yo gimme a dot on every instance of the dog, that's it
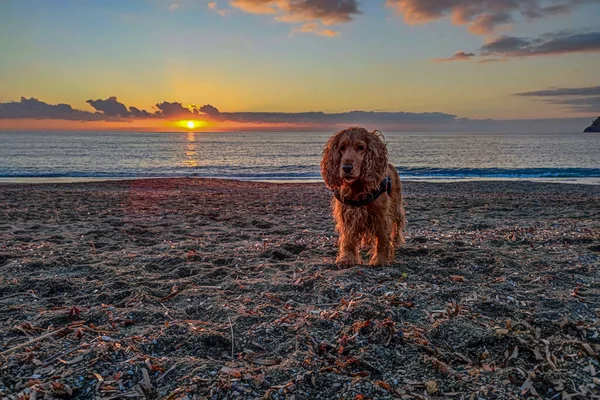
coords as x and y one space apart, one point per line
367 203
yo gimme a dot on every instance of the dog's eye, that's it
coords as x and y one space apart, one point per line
343 147
360 147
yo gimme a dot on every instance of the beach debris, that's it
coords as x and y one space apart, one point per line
211 290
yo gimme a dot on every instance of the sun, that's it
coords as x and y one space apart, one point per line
190 124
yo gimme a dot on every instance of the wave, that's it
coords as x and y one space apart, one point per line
301 173
501 172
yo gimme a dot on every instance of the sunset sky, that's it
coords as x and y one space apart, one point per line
236 64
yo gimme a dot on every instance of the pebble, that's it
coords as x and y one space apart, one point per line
337 385
213 373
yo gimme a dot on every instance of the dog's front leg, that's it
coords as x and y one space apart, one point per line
384 252
348 254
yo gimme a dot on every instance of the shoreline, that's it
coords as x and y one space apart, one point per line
595 181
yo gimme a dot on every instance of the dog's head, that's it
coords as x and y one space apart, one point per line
354 154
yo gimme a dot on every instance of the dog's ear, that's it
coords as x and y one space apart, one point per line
375 164
330 163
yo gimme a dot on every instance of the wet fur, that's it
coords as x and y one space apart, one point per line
378 225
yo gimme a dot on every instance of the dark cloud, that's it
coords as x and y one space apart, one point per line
34 109
556 43
137 113
110 107
552 10
553 92
481 16
491 60
458 56
318 121
582 99
209 110
504 44
549 44
173 110
340 118
328 11
487 23
581 104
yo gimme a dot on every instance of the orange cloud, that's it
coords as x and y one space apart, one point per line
257 7
480 16
312 13
213 6
314 27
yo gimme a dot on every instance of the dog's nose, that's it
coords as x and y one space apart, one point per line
347 168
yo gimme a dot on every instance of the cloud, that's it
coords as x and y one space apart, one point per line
481 16
581 91
350 117
137 113
314 27
213 6
492 60
310 13
581 104
32 108
209 110
174 7
315 121
487 23
556 43
548 44
458 56
173 110
110 107
582 99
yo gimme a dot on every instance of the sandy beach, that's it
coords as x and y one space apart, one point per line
214 289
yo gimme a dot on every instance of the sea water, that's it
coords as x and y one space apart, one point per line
69 156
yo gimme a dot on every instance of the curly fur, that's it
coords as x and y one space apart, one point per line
379 224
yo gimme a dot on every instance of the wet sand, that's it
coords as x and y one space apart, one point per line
189 288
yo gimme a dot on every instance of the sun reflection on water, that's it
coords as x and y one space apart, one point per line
191 151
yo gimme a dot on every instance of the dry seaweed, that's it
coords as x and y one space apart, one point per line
183 289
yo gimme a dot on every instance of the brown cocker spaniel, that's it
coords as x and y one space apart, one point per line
367 202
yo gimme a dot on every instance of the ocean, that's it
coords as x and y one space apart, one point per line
72 156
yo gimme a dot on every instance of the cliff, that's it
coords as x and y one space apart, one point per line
594 127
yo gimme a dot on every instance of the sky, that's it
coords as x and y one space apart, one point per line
417 65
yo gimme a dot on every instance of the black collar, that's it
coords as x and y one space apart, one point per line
384 186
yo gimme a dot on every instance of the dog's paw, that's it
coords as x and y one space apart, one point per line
379 261
347 261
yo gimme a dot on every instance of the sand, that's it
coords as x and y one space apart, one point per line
190 288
